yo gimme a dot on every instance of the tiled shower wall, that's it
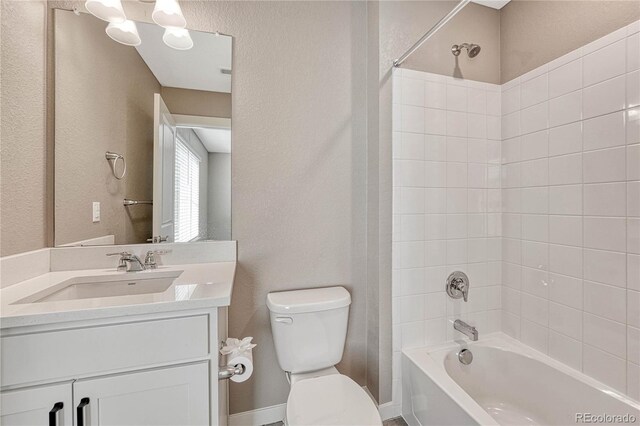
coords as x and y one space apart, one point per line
446 205
552 212
571 200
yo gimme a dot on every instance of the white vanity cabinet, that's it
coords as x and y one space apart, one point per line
41 405
151 369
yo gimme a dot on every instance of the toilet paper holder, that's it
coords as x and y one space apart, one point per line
229 371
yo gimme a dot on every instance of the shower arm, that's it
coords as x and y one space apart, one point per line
441 23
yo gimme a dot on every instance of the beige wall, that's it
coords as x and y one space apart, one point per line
103 102
197 102
536 32
402 23
22 128
299 179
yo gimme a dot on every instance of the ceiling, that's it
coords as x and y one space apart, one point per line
215 140
496 4
198 68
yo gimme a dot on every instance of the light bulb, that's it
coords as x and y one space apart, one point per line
167 13
125 32
177 38
107 10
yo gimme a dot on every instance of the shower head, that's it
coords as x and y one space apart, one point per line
472 49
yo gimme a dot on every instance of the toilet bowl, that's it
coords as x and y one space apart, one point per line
309 331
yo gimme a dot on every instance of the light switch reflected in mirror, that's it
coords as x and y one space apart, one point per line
166 112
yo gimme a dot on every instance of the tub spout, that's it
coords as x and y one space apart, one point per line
466 329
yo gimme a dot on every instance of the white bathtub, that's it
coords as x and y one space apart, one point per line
507 383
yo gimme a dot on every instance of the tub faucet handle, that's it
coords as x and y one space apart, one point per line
458 285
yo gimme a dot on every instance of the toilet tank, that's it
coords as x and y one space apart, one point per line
309 327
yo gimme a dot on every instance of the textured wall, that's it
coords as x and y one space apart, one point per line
103 102
197 102
22 128
299 139
536 32
402 23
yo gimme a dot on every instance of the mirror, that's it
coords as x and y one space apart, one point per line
142 136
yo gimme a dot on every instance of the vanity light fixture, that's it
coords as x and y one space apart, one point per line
167 13
177 38
125 32
107 10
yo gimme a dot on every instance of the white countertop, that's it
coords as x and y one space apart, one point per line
199 286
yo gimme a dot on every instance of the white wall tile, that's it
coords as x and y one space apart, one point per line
456 123
412 118
606 165
435 95
633 308
605 301
605 233
606 335
456 98
565 290
605 267
435 148
477 101
413 92
565 320
534 91
535 145
565 139
633 198
565 349
534 118
633 162
434 121
633 125
604 367
535 335
435 174
565 79
605 63
565 260
633 89
633 52
566 199
605 131
565 109
603 98
565 169
565 230
633 380
605 199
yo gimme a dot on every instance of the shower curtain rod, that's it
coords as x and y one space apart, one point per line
431 32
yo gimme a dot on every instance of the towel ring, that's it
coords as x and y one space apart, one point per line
112 158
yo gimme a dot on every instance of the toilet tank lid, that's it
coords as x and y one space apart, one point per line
309 300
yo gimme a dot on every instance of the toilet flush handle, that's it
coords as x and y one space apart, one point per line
284 320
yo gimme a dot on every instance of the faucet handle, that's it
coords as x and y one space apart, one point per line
150 258
458 285
122 264
120 253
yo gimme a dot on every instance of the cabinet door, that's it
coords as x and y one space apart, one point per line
167 396
43 405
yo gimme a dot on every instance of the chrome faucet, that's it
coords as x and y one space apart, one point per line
466 329
129 262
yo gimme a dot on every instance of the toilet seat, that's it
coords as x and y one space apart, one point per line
330 400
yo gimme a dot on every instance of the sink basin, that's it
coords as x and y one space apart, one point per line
126 284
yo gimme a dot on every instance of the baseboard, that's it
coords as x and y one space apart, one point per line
259 417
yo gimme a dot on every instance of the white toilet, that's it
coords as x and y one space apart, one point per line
309 330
